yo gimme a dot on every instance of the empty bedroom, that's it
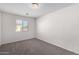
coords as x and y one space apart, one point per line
39 28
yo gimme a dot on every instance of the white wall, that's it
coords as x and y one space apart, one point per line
9 28
0 29
61 28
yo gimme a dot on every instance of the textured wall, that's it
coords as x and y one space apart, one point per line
9 28
61 28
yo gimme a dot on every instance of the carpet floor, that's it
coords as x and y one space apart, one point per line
33 47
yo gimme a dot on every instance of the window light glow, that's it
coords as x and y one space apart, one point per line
21 25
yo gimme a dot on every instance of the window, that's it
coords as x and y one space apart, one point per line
21 26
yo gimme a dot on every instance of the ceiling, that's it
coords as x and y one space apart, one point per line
24 8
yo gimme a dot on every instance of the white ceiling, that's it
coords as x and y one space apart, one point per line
23 8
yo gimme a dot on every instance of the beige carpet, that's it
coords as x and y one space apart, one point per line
32 47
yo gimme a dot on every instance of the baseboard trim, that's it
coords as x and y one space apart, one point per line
57 46
17 41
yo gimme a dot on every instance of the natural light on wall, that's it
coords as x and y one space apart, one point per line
21 25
